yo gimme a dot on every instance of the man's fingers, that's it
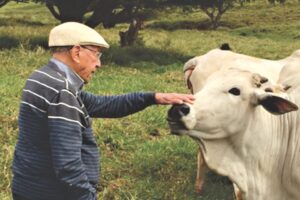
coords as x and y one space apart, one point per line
174 98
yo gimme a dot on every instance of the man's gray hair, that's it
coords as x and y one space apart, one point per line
60 49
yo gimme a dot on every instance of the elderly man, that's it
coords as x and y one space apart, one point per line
56 156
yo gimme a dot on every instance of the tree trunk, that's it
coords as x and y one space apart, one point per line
215 12
128 38
51 8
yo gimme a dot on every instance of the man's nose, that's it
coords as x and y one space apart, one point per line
178 111
98 64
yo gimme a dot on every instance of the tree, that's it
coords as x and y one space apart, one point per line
107 12
214 9
128 37
274 1
68 10
111 12
244 1
4 2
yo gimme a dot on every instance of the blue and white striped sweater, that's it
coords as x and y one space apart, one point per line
56 156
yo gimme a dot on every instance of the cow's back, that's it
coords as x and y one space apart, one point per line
290 178
216 59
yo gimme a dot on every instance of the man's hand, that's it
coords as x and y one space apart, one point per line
173 98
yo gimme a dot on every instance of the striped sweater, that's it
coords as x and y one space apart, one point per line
56 156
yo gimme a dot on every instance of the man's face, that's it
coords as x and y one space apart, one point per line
89 61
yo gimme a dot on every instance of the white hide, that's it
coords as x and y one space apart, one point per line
257 150
217 59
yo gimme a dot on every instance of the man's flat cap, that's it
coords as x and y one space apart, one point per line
74 33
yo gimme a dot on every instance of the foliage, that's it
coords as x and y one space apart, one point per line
110 13
106 12
94 12
4 2
274 1
214 9
242 2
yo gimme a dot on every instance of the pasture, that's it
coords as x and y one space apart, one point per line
140 160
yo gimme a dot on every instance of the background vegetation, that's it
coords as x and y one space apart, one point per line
140 159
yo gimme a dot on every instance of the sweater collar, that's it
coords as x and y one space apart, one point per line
72 77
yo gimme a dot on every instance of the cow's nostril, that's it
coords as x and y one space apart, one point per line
184 109
178 111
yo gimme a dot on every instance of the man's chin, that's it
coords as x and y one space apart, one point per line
87 80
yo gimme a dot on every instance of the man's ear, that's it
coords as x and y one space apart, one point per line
275 104
75 53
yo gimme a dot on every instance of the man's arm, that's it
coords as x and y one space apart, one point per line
116 105
122 105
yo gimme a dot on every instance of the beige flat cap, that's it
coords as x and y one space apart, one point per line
74 33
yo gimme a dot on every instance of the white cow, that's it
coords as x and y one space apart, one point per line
199 68
247 134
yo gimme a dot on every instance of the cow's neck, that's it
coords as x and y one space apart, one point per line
258 159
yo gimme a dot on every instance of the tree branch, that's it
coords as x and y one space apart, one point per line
51 8
3 2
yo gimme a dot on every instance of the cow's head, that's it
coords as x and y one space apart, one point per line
225 104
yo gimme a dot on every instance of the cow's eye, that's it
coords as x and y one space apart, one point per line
235 91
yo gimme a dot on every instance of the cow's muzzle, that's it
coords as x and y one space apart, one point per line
175 115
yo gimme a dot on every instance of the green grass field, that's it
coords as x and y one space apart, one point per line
136 165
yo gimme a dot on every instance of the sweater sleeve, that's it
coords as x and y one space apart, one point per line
116 105
65 132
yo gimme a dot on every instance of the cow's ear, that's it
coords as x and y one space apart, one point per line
187 75
276 105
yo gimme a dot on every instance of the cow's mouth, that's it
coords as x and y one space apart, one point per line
177 127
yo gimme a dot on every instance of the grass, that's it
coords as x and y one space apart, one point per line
140 159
